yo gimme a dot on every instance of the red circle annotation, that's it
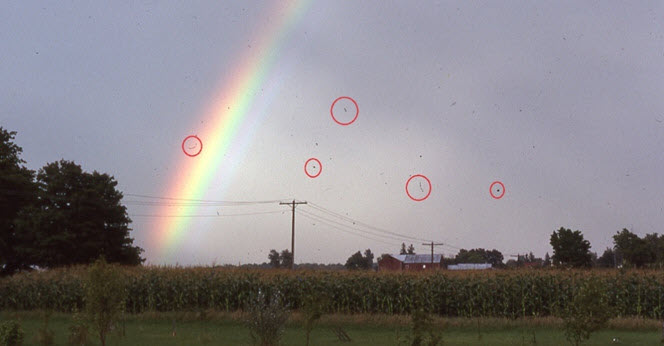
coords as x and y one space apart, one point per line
200 146
357 110
408 192
306 171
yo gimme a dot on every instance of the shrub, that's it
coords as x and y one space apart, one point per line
105 296
267 316
11 334
44 335
588 312
313 309
78 332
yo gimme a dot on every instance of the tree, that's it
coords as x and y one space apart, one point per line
17 191
105 296
357 261
403 249
570 249
368 258
480 255
634 250
654 245
547 261
274 258
411 249
77 217
608 259
472 256
588 312
286 258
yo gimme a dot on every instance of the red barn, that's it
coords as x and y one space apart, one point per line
410 262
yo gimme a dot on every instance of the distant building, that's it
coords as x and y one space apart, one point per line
469 266
410 262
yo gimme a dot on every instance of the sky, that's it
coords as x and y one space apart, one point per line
561 102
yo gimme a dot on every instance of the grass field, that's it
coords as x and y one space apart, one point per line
227 329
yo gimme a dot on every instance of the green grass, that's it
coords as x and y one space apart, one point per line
227 329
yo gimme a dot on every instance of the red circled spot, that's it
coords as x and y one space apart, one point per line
501 186
195 140
408 192
320 169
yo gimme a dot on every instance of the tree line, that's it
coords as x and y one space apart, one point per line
59 215
570 250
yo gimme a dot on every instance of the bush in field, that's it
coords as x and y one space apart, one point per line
588 312
267 316
105 297
11 334
313 308
422 330
78 332
44 335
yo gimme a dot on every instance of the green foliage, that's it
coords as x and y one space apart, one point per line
498 293
280 260
286 258
640 252
570 249
79 334
589 312
275 258
423 330
105 296
45 336
267 316
411 249
494 257
313 307
11 334
17 191
608 259
357 261
78 216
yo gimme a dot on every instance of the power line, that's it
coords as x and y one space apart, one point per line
378 229
201 200
211 215
348 219
392 237
346 231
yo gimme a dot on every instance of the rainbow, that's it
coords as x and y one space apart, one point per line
221 135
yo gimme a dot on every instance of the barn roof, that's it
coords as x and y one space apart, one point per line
410 259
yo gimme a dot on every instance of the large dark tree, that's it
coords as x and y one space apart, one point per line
275 258
368 257
357 261
494 257
286 258
17 190
608 259
78 217
570 249
547 261
636 252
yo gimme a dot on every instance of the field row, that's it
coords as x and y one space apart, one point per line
509 294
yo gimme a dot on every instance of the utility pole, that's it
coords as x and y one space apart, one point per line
432 245
292 204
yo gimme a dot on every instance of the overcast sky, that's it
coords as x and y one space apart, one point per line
562 102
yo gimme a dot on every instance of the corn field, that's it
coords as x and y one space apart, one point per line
509 294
